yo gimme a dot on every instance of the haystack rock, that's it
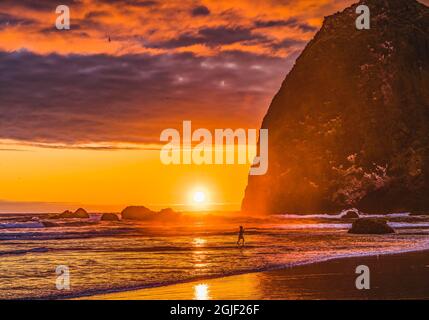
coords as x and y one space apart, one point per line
350 124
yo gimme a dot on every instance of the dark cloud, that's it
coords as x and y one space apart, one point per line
307 28
97 14
211 37
134 3
227 35
93 98
74 27
292 22
10 20
39 5
200 11
219 36
183 40
275 23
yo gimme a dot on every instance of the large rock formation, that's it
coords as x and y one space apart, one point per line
350 124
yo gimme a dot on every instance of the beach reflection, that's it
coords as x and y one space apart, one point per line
201 292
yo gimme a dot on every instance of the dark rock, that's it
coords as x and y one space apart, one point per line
81 214
350 215
65 215
78 214
167 211
371 226
109 217
350 124
137 213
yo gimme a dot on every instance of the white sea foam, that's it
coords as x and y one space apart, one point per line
21 225
341 214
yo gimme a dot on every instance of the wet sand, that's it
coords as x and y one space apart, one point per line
399 276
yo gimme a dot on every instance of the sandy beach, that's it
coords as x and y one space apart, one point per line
396 276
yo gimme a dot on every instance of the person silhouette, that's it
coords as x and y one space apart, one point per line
241 236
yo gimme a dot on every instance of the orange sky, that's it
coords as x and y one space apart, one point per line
81 116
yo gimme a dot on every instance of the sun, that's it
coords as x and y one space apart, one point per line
199 197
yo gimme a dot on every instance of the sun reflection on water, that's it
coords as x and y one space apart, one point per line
198 242
201 292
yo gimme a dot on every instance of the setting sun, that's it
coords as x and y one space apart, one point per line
199 197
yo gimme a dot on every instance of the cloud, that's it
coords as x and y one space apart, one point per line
97 14
200 11
80 99
210 37
7 20
133 3
227 35
41 5
288 43
145 26
162 66
292 22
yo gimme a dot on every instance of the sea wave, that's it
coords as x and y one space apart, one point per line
43 235
24 251
341 214
21 225
316 226
409 224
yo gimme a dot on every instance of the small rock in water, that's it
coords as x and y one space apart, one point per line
137 213
78 214
371 226
350 215
109 217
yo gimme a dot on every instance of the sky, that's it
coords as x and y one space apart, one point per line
81 110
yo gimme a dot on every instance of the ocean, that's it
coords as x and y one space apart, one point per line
106 256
